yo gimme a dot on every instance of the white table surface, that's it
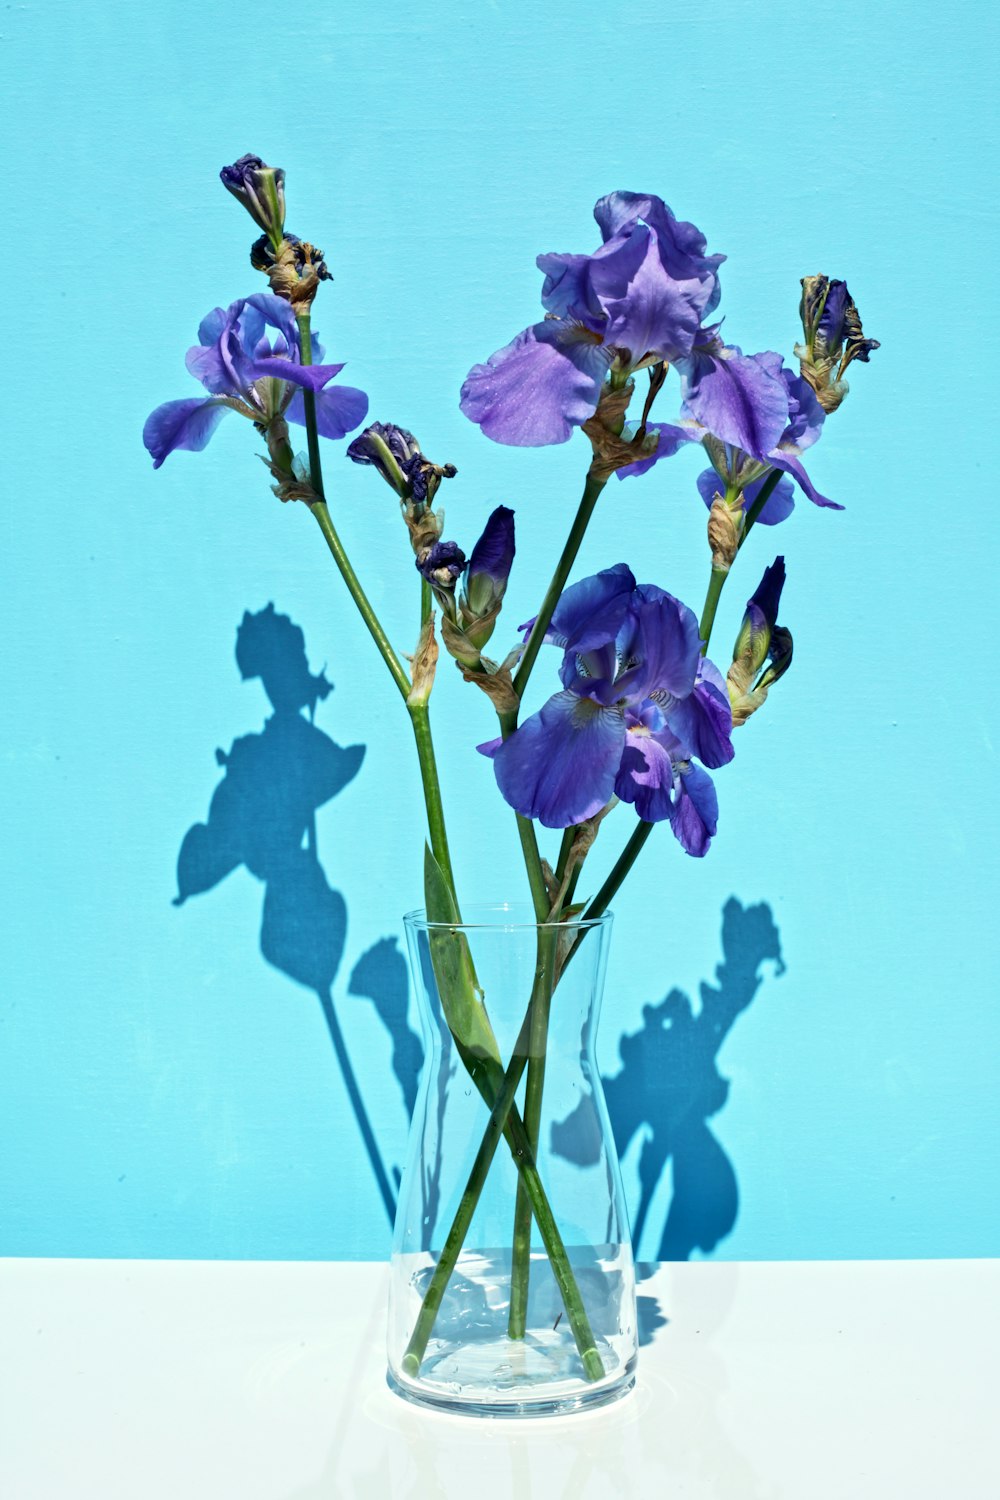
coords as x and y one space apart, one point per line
265 1381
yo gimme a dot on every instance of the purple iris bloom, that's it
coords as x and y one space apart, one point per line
641 298
745 466
244 372
639 705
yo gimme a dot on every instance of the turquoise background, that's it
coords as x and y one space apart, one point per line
165 1091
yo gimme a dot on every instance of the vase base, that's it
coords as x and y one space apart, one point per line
510 1396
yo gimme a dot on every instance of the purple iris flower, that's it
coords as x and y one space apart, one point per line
640 299
639 705
745 466
244 372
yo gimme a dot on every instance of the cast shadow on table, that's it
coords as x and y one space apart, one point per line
669 1087
263 816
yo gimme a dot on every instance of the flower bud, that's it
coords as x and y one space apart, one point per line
261 190
490 564
833 337
760 638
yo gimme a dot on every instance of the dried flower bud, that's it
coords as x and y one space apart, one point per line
724 526
833 338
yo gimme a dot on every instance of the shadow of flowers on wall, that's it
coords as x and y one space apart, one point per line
669 1087
263 816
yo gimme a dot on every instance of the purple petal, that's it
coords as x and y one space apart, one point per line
338 410
539 387
778 507
790 464
181 424
278 313
590 613
646 777
661 636
579 286
736 397
312 377
703 722
559 766
657 314
695 814
805 415
672 438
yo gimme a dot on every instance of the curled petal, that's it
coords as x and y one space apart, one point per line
672 438
559 765
805 415
537 388
791 465
311 377
181 424
338 410
657 314
778 507
737 397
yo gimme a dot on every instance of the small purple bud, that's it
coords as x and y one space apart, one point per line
261 190
490 563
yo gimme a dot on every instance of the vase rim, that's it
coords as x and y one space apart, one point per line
502 916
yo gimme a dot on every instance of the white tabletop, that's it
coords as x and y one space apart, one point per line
262 1381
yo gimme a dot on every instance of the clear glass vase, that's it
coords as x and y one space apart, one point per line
512 1288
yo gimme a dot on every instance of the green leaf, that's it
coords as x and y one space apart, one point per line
460 995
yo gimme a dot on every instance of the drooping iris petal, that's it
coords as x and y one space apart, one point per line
694 817
736 398
181 424
339 410
791 465
672 438
646 776
537 388
590 613
778 506
559 765
703 721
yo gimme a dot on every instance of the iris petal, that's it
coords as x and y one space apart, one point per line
704 720
538 387
590 613
338 410
736 397
646 777
559 765
695 813
181 424
791 465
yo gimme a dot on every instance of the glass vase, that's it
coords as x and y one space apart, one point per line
512 1287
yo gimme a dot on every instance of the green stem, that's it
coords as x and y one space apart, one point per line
371 619
538 1024
767 489
322 514
591 493
505 1120
716 584
420 719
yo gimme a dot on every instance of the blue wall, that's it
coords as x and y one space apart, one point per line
168 1092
